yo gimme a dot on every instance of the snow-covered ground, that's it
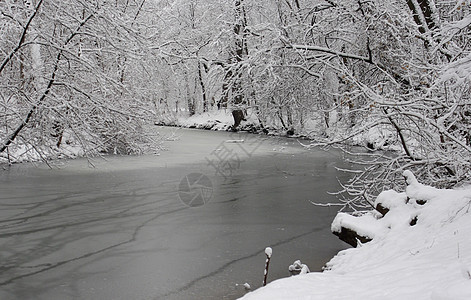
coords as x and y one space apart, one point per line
380 137
420 249
19 152
214 120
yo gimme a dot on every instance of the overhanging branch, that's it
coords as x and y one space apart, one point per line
46 92
367 59
331 51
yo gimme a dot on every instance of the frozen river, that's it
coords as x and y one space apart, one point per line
124 229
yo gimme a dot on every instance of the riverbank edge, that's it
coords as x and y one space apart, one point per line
245 126
313 131
418 250
219 120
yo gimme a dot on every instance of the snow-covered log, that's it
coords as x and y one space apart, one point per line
396 210
353 230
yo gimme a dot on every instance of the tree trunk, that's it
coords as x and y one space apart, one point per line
203 88
35 49
422 11
240 52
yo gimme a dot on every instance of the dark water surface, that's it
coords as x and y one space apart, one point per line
120 230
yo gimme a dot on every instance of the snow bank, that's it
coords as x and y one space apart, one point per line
214 120
223 120
19 152
380 137
429 258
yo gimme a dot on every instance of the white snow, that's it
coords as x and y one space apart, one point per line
364 226
268 251
428 260
217 120
459 70
298 268
234 141
214 119
391 199
20 152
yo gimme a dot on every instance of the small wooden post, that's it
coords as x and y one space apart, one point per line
268 252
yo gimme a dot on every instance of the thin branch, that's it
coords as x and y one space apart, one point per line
399 132
22 38
330 51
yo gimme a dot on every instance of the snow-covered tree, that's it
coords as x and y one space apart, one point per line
399 69
70 75
402 68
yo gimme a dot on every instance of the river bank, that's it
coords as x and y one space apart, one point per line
378 138
215 120
419 250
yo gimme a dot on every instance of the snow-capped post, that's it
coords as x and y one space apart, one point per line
268 252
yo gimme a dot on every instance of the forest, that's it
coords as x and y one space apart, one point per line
82 77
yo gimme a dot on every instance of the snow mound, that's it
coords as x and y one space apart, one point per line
420 249
214 120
